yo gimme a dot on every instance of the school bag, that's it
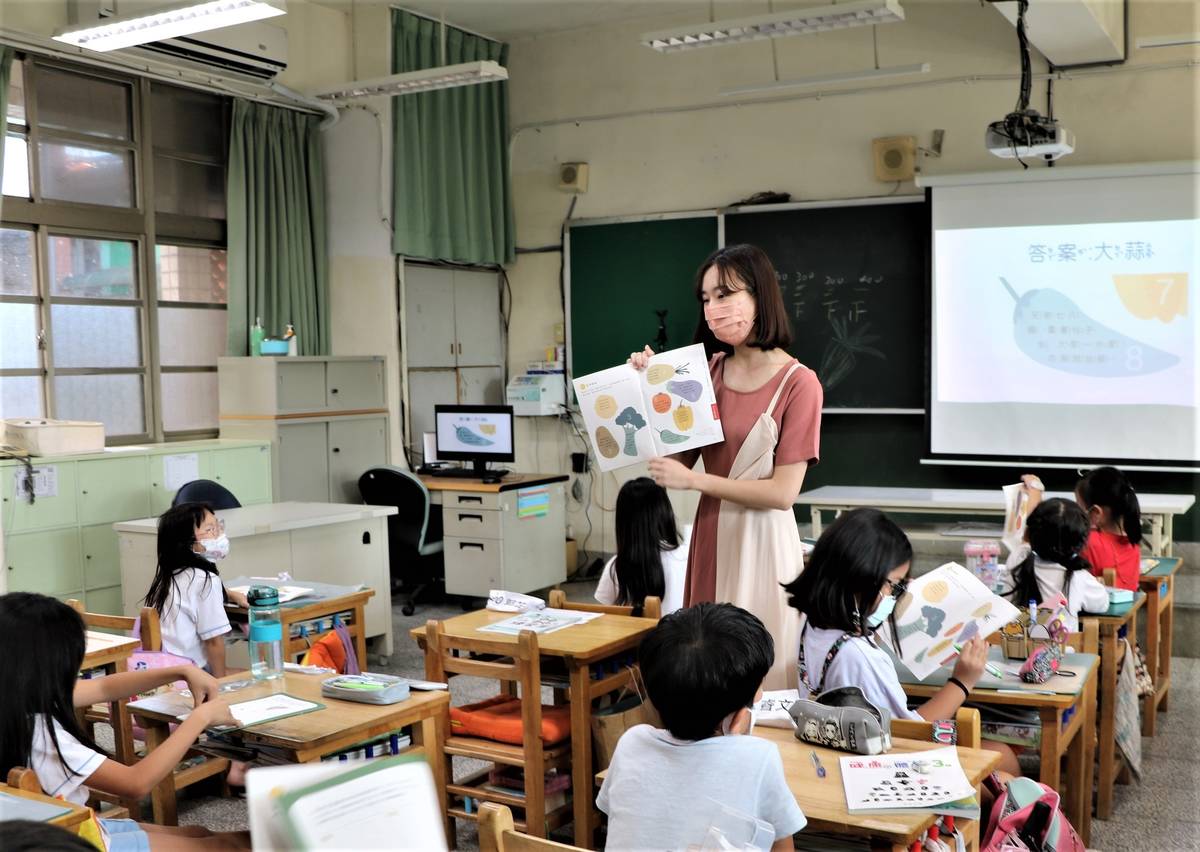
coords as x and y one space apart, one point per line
1026 818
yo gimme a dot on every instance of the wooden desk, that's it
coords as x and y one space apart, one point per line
75 816
310 610
824 800
326 542
579 647
308 737
1159 585
1073 738
507 535
1111 626
1159 509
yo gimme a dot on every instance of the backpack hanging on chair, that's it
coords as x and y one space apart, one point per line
1026 818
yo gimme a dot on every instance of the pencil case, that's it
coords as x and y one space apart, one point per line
366 688
843 719
1120 601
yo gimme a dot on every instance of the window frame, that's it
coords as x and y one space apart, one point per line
140 224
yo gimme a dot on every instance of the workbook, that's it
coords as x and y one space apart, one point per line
269 708
635 415
926 781
385 803
941 610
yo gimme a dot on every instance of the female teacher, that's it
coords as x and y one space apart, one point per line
745 542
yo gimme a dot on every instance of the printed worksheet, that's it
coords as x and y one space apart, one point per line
943 609
923 780
540 621
266 709
633 415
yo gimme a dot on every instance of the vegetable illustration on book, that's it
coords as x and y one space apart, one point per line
474 439
656 413
841 352
1054 331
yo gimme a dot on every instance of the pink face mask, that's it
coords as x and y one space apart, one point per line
731 319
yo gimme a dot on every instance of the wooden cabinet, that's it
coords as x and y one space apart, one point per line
325 420
453 341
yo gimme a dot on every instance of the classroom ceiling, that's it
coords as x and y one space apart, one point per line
508 19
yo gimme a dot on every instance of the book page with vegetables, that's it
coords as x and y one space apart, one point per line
614 413
682 405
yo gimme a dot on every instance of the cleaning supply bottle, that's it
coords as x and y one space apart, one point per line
290 337
256 337
266 633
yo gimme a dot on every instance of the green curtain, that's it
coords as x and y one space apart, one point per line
450 178
278 262
6 60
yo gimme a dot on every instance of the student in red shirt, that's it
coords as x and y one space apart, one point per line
1116 518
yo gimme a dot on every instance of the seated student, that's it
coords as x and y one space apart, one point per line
651 556
39 729
1050 563
846 593
703 667
1116 520
187 591
23 835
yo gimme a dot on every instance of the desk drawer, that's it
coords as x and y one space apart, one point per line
470 523
469 500
473 566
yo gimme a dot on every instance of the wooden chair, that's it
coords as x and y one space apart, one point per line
518 664
497 834
966 719
26 779
1110 578
651 608
150 631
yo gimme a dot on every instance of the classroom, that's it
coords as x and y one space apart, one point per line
599 424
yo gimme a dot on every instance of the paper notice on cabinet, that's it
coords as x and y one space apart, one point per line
180 469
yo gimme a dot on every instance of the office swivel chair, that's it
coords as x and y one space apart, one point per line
206 491
414 533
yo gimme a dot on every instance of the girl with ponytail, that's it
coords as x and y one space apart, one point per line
1050 563
1116 522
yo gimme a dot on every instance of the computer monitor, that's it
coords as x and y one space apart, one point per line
474 433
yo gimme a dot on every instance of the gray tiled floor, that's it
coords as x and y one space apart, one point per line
1161 813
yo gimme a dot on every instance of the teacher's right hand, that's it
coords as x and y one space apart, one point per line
640 360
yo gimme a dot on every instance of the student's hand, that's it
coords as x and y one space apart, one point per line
1031 483
670 473
216 714
971 661
238 599
202 685
640 360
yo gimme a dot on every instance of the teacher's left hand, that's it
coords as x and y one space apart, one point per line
672 474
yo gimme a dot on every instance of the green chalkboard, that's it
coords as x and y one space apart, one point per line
854 283
622 273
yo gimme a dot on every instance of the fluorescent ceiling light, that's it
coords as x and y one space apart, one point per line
442 77
1169 41
170 22
826 79
813 19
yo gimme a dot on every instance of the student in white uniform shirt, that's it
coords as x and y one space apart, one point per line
39 728
652 556
1050 563
846 593
187 591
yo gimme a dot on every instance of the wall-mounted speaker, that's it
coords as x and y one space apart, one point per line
895 158
573 177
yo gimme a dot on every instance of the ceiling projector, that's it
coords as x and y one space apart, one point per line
1028 134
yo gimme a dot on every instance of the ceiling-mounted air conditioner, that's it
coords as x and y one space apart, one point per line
257 50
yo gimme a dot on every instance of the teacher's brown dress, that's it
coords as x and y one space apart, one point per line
739 554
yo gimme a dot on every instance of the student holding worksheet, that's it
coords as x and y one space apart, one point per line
744 541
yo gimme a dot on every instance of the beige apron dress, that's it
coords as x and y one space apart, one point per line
757 549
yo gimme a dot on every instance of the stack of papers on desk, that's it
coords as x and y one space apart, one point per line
919 782
540 621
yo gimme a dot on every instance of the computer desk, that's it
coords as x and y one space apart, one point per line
508 535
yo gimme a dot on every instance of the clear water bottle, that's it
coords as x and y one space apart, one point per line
266 633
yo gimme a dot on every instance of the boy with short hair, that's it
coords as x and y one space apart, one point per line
703 667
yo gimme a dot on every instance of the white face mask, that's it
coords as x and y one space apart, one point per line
876 619
215 548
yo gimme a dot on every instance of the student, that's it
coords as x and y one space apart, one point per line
39 728
23 835
651 556
187 590
1116 520
703 667
1050 562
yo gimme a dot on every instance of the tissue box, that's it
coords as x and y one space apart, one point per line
54 437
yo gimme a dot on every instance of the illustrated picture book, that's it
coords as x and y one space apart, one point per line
942 609
930 781
634 415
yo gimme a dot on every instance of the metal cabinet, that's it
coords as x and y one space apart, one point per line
104 492
162 486
246 472
46 562
325 419
47 510
101 560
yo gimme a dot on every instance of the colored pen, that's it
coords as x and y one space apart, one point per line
991 669
817 764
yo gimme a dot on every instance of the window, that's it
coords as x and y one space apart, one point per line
113 266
